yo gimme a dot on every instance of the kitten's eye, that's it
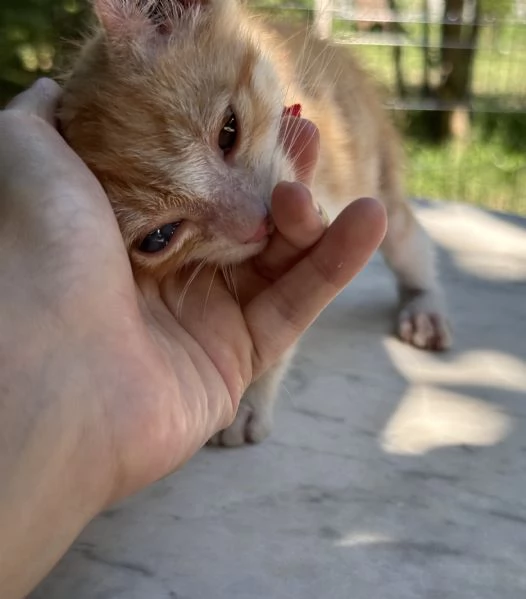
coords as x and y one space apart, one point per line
228 134
157 240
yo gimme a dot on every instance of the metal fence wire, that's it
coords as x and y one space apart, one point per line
453 73
454 76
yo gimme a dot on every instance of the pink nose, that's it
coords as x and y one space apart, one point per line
261 232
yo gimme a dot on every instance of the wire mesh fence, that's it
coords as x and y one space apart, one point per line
453 74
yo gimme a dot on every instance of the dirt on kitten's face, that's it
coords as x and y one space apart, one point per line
176 109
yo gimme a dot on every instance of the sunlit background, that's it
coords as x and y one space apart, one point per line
453 73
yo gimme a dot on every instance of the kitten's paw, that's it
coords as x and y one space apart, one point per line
422 323
250 426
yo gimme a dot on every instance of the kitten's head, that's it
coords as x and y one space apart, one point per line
176 109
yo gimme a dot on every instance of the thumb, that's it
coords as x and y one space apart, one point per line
41 100
281 313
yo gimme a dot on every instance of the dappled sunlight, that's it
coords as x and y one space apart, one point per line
429 418
482 244
486 368
364 538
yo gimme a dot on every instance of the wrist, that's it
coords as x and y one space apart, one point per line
54 477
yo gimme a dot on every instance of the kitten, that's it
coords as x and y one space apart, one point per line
176 107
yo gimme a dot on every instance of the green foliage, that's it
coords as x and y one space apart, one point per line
485 172
295 11
490 170
498 9
32 34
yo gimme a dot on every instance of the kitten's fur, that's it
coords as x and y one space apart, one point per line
145 103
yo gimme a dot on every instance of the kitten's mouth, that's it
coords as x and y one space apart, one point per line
264 230
252 246
241 253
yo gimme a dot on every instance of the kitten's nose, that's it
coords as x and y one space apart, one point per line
261 232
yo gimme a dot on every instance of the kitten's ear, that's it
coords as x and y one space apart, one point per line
122 18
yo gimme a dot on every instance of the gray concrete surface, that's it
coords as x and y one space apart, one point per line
391 474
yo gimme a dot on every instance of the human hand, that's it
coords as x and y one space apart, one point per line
104 388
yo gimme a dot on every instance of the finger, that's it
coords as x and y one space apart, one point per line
301 139
299 220
40 99
279 315
299 225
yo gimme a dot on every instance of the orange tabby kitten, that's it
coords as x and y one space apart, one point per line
176 107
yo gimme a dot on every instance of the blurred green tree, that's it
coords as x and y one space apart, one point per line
32 36
459 34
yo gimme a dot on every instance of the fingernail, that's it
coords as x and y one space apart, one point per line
47 88
42 85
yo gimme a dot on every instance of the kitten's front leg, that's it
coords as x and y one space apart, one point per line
254 419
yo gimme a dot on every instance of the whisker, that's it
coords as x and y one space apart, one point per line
209 289
228 274
225 273
305 65
298 151
285 388
194 274
233 276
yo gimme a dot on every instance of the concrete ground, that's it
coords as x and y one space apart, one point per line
391 473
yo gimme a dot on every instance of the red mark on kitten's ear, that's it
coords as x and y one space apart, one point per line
294 110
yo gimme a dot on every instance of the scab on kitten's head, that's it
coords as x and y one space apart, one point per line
176 109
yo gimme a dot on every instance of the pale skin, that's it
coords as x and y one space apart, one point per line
102 389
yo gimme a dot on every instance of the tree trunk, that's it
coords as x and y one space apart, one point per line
396 27
426 61
459 41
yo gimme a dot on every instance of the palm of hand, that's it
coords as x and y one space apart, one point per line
162 382
231 333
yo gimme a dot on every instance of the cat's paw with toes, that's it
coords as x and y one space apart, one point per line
422 323
250 426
